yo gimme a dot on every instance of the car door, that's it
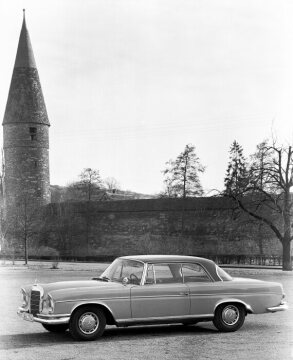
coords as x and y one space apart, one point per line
201 289
163 294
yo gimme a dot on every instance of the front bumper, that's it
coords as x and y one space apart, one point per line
44 319
282 307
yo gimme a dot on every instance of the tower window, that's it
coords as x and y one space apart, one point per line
33 133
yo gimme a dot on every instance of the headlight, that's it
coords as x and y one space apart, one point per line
24 298
48 305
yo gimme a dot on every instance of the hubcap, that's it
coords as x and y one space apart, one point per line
88 323
230 315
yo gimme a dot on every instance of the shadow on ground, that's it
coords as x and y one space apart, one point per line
29 340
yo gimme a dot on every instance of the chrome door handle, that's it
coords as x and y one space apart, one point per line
184 293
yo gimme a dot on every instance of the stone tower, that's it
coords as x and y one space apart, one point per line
25 133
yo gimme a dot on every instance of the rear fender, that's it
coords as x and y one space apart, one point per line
234 301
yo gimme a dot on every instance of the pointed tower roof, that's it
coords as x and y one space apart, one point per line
25 56
25 103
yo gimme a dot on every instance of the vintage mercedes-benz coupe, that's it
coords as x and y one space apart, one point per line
136 290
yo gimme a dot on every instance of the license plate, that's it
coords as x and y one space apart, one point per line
27 317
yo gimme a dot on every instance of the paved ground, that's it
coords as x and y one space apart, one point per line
266 337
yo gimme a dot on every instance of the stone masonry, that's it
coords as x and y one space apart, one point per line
25 133
195 226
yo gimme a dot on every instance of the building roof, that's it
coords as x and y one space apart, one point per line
25 103
24 56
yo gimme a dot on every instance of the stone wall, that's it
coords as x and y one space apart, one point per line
26 165
201 226
25 135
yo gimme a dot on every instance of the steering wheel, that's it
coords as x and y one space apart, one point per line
134 279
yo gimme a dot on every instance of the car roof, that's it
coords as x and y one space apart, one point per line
209 265
171 258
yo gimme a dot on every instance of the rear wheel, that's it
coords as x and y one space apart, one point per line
56 328
229 317
87 323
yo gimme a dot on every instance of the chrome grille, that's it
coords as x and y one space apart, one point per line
35 302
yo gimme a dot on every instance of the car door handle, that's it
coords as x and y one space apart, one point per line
184 293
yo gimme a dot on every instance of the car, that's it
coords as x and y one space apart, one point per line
150 289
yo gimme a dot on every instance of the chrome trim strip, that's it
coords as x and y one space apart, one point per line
233 294
45 319
217 266
165 318
282 307
93 301
142 281
180 294
154 273
58 321
52 316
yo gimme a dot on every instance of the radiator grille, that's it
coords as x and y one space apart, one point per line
35 302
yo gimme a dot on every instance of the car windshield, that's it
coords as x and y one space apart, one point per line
124 268
223 275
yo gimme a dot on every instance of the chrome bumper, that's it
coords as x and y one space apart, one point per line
44 319
282 307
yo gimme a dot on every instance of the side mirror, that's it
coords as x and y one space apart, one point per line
125 281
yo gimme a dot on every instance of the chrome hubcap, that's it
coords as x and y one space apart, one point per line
230 315
88 323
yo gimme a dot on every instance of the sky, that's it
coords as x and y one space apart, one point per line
128 83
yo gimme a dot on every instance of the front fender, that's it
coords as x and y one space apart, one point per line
119 308
98 303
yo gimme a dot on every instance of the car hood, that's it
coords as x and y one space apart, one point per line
64 289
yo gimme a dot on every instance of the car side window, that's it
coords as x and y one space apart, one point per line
194 273
165 273
130 269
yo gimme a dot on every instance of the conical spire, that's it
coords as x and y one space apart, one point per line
25 56
25 102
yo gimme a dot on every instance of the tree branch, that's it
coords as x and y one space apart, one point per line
260 218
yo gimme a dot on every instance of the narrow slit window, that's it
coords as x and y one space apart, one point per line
33 133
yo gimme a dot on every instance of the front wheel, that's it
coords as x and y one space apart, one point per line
229 317
56 328
87 323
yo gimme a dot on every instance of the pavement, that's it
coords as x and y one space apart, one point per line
265 336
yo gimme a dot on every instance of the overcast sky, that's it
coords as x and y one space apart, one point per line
128 83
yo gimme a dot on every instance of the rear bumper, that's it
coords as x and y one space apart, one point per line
282 307
44 319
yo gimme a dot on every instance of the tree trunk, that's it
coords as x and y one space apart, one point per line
25 250
260 239
287 261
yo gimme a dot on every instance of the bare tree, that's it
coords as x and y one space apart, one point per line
85 189
24 223
90 181
112 184
266 195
